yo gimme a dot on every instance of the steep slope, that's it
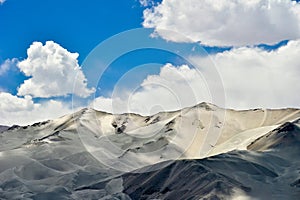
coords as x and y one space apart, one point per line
269 171
234 175
284 137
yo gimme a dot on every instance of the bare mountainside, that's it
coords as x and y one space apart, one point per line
199 152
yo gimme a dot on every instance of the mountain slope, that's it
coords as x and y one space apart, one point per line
92 154
269 171
233 175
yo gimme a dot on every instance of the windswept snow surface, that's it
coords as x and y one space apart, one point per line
198 152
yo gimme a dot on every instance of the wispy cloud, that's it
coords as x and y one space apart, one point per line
7 64
146 3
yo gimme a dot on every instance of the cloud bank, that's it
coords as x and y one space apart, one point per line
252 78
225 23
173 88
24 111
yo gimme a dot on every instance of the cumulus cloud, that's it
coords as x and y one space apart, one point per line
224 22
173 88
7 64
253 77
8 103
53 71
23 110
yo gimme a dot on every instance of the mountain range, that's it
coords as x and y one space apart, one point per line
199 152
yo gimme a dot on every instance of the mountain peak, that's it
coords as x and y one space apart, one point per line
206 106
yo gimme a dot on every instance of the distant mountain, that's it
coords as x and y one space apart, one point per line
199 152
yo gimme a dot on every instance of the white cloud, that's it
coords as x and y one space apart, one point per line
106 104
174 88
23 111
146 3
12 103
53 71
254 77
7 64
224 22
2 1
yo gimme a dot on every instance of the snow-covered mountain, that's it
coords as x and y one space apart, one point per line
198 152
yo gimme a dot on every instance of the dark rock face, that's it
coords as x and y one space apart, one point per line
184 179
285 136
296 183
217 177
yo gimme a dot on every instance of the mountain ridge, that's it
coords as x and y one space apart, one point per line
92 154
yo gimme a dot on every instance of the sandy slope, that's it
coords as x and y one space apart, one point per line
269 172
84 155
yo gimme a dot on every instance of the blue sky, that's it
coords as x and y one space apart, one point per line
77 26
212 53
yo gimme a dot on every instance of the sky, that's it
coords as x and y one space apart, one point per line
145 56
